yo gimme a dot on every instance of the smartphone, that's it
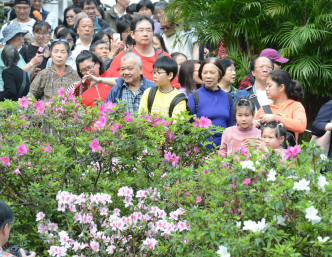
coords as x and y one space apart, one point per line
116 37
40 50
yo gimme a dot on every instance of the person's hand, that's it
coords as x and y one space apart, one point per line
47 52
37 60
32 254
93 79
257 123
245 142
116 47
266 118
260 145
206 51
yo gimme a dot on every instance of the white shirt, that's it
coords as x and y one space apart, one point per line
182 42
79 47
262 97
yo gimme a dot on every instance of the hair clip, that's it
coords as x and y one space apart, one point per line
60 40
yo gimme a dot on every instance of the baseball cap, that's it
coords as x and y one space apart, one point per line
273 55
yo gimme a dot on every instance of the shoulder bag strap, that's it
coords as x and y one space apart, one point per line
196 99
267 109
50 73
253 97
152 94
23 85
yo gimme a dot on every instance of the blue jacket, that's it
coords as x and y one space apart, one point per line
116 92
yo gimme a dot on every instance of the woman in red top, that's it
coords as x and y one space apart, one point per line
90 66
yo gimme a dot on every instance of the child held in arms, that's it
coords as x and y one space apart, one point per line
158 100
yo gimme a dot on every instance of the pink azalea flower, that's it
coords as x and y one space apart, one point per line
186 194
48 149
40 216
22 149
196 124
168 157
128 117
175 160
17 171
292 152
100 123
198 199
204 122
5 161
95 145
246 181
24 102
61 92
94 246
39 106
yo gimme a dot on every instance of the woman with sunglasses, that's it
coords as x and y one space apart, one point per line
58 75
93 85
286 107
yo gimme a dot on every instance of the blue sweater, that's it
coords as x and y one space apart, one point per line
215 106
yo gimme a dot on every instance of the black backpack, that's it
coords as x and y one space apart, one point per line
176 100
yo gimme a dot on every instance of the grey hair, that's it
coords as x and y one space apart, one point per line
10 56
130 55
160 5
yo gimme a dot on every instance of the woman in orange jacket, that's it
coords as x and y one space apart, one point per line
286 108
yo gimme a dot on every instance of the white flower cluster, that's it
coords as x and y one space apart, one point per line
302 185
254 226
248 165
311 215
223 252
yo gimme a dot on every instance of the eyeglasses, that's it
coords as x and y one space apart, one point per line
92 8
264 67
87 69
141 31
166 28
157 73
60 40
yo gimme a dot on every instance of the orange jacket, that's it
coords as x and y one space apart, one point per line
291 114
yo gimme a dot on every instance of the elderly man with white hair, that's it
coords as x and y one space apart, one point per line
131 85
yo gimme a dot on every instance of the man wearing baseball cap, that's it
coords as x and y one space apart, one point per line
23 20
274 56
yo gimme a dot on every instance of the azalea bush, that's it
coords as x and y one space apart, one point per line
99 181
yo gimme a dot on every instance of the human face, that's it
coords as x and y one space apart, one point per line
125 34
85 29
102 50
89 67
37 4
276 65
40 36
16 41
273 91
48 37
160 78
22 12
90 10
244 117
270 138
262 69
230 75
179 60
210 76
156 42
197 80
70 41
70 15
130 72
124 3
59 55
143 34
145 11
158 13
167 28
106 39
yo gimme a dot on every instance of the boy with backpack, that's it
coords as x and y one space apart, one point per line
163 98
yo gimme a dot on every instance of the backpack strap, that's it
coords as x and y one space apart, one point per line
230 101
196 99
253 97
152 94
50 73
267 109
176 100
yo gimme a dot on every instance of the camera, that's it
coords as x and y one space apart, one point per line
15 250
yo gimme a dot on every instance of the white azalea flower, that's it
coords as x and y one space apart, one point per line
302 185
223 252
311 215
323 157
272 175
323 240
253 226
322 182
248 165
280 220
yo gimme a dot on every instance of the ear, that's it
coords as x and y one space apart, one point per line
283 88
132 34
282 139
170 76
141 70
253 73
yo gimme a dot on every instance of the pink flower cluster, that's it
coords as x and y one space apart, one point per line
292 152
203 122
172 158
114 230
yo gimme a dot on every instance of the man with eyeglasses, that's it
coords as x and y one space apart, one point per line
142 28
260 68
178 41
90 7
22 10
6 219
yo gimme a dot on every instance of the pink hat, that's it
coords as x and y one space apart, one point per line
273 55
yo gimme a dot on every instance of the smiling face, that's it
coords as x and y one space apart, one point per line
90 10
37 4
210 76
130 72
22 12
70 15
89 67
59 54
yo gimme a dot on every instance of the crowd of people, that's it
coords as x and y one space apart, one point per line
137 54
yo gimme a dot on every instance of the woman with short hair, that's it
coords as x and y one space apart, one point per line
16 81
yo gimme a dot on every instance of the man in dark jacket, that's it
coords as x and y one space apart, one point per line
90 8
131 85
